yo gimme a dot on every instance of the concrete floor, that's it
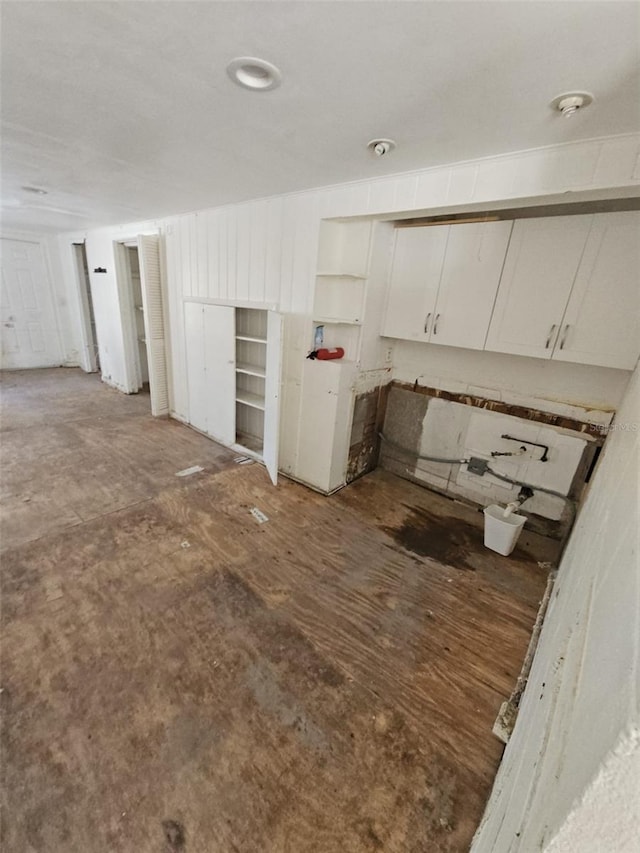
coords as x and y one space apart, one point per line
179 677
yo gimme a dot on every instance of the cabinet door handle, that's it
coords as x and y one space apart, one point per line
435 324
426 323
564 337
551 331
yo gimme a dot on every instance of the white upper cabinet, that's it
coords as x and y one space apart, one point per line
602 322
539 272
469 282
415 276
570 290
444 280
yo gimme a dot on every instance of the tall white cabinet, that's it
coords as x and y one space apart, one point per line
326 389
233 375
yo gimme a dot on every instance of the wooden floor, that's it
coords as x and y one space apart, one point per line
177 676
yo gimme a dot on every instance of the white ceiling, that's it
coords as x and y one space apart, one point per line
123 110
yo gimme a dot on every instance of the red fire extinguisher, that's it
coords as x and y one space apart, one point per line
324 354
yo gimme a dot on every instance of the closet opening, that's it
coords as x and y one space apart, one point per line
142 318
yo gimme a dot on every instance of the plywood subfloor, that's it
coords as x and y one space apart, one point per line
178 676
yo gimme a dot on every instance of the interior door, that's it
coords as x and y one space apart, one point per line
151 284
219 358
541 265
602 321
413 286
29 328
470 277
272 394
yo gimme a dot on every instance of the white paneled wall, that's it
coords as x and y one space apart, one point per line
265 251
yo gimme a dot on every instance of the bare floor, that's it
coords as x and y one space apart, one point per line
177 676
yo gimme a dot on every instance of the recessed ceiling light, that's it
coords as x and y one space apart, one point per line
35 190
569 103
254 73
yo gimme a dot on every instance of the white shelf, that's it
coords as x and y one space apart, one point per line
248 399
252 340
356 275
337 320
250 442
250 369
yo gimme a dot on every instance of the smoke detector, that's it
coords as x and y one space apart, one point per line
569 103
380 147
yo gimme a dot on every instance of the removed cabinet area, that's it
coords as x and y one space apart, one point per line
233 373
444 280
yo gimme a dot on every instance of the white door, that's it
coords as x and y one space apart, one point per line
541 265
413 286
196 376
27 314
470 277
271 439
151 284
602 321
219 357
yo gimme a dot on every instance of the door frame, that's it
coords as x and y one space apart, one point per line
88 355
127 317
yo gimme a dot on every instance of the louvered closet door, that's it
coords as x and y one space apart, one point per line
149 255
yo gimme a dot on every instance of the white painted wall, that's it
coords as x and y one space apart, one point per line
266 251
579 724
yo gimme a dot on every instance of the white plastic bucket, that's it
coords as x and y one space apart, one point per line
500 533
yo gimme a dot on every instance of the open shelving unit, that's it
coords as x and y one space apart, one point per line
340 286
251 363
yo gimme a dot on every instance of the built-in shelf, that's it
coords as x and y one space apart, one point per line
251 339
339 320
340 275
250 369
250 442
249 399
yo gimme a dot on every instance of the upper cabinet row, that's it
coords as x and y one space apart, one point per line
565 287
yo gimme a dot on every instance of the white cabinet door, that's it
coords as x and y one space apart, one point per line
220 372
326 412
271 438
602 321
415 276
196 375
540 267
470 277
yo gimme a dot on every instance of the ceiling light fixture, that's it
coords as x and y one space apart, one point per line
569 103
35 190
380 147
253 73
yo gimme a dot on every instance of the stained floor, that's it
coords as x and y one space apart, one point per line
177 676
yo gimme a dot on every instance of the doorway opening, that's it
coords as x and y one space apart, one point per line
137 317
91 351
142 317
